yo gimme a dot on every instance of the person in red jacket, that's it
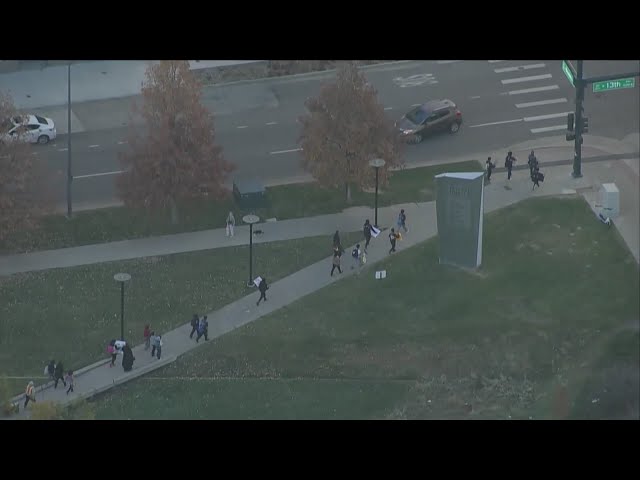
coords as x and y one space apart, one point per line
147 337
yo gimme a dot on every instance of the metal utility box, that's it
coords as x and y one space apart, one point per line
610 200
249 193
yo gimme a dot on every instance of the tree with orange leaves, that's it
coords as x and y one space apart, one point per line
24 196
174 157
345 128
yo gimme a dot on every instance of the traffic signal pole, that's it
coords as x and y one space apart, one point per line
578 125
577 156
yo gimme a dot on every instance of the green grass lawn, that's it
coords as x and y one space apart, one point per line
553 309
70 314
287 201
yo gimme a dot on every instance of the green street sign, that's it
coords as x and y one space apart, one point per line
614 84
567 72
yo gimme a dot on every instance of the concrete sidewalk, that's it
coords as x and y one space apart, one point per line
348 220
422 225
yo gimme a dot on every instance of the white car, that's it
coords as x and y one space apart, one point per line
28 128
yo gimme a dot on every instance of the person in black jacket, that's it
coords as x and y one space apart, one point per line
336 239
263 287
533 162
51 369
367 233
194 324
127 358
536 176
59 375
508 164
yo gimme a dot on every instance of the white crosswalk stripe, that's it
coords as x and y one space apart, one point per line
535 98
525 79
519 68
541 102
533 90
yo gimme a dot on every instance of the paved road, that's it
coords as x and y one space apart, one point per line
503 103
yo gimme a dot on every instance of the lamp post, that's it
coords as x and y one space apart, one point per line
69 171
122 278
250 219
377 163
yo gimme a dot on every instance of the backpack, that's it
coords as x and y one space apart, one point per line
354 253
111 349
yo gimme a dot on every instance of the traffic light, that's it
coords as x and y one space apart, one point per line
585 125
570 125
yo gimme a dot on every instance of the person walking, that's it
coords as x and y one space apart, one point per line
508 164
159 343
70 381
536 177
355 256
154 343
393 237
490 167
59 375
147 337
336 264
51 369
127 358
111 350
532 162
231 223
203 329
402 221
29 394
366 229
195 320
263 287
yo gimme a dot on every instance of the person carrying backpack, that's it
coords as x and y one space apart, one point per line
355 256
203 329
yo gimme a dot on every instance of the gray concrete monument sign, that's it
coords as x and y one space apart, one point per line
460 210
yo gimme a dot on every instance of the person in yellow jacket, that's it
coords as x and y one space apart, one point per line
29 394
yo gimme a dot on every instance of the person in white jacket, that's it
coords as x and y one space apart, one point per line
231 223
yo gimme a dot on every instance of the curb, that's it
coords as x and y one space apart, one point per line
296 76
132 375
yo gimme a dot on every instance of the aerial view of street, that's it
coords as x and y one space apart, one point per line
260 239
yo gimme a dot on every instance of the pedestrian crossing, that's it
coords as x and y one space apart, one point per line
532 87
